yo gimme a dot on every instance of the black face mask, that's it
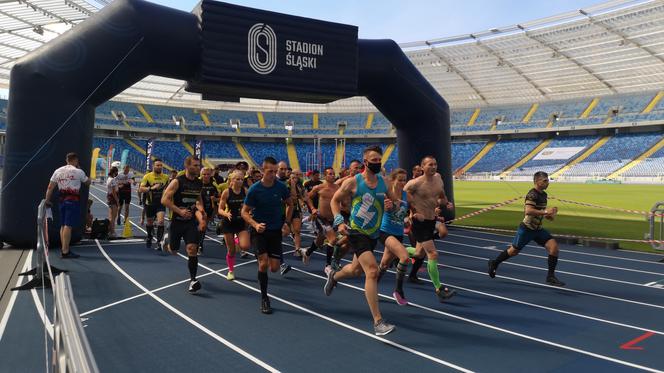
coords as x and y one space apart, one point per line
374 167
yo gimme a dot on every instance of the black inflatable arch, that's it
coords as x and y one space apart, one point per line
116 48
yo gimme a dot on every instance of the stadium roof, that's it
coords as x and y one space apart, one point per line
614 47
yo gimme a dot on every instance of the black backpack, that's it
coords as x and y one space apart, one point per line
100 229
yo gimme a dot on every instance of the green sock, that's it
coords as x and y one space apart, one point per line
411 251
432 267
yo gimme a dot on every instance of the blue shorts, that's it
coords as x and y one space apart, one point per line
70 213
525 235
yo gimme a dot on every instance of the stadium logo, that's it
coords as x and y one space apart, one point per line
262 51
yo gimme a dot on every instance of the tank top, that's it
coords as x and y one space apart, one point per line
393 220
186 195
208 191
234 203
367 207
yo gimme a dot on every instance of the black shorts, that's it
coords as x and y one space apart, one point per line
384 236
125 198
423 230
187 230
233 225
210 213
359 243
152 210
297 214
268 242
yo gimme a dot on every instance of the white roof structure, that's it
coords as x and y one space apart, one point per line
611 48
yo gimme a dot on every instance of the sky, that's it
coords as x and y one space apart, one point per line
414 20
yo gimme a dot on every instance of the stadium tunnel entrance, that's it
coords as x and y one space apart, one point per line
55 89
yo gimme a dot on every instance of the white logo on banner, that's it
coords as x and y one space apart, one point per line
558 153
262 51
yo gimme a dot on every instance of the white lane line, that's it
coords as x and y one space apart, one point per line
552 287
188 319
350 327
86 313
571 251
567 251
535 305
12 299
503 330
533 267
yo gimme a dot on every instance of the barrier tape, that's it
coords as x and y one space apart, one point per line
565 235
486 209
647 213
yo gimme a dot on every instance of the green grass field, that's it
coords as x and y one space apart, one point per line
572 219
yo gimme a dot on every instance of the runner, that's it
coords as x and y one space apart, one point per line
262 210
425 193
531 229
183 198
232 224
368 194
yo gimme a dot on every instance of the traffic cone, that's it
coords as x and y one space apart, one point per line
127 232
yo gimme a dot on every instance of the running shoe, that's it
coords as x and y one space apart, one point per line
297 253
400 298
444 293
382 327
148 242
284 268
305 258
230 276
492 268
330 283
265 306
328 268
553 281
69 255
415 280
244 255
194 286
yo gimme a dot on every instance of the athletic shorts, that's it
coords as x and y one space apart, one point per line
525 235
233 225
384 236
321 226
110 201
187 230
152 210
359 243
268 242
70 213
297 214
125 198
423 230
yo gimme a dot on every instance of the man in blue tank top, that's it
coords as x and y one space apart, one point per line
367 193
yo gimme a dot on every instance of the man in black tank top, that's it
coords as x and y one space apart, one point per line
183 198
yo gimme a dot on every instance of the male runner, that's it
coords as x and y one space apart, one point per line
210 197
68 179
425 193
125 180
531 229
368 194
324 220
262 210
183 198
311 183
153 186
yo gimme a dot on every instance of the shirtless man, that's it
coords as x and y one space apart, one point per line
323 222
425 193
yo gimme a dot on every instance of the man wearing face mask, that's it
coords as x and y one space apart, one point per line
369 200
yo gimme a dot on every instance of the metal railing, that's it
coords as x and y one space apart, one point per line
71 350
656 217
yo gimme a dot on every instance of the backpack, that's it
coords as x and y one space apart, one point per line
100 229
